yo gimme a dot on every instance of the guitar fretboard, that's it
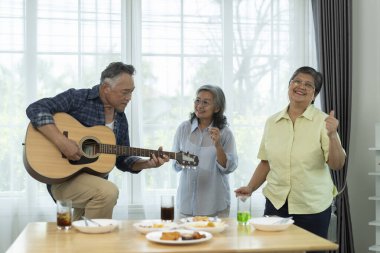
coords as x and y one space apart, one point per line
130 151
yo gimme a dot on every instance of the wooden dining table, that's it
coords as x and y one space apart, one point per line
45 237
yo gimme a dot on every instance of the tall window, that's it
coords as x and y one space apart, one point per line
45 48
48 47
248 47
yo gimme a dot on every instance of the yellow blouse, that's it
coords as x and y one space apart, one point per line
297 156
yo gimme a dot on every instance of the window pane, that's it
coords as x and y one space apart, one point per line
58 9
101 36
11 25
12 118
202 24
101 26
202 70
92 27
161 27
58 73
57 35
262 27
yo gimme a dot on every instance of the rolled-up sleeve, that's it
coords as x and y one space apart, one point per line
229 147
177 146
41 112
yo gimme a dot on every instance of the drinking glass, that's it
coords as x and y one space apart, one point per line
64 215
243 209
167 207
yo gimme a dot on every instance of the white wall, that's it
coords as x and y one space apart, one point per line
366 112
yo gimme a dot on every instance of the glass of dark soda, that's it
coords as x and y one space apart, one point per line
167 207
64 214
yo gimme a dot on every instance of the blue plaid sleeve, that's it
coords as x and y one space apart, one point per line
41 112
126 163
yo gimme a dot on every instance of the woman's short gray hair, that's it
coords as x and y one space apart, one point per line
217 92
219 120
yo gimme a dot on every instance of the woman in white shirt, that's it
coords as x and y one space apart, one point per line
205 189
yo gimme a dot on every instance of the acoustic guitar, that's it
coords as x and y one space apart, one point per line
45 163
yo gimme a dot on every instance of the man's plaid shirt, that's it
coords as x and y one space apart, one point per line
86 107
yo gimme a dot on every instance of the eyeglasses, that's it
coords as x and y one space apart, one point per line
308 85
123 93
126 93
204 103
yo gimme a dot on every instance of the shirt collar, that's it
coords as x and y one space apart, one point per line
94 92
195 124
308 113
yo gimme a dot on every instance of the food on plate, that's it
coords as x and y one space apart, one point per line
155 225
208 224
197 235
187 236
192 236
172 236
200 218
147 226
175 235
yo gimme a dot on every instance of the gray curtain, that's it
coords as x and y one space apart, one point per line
333 28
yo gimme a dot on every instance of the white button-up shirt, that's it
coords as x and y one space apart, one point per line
204 190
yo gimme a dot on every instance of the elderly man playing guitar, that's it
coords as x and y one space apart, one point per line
103 105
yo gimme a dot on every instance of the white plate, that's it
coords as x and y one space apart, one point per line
155 237
203 225
107 225
270 223
191 219
147 226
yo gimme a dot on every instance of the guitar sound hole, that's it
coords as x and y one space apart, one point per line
90 148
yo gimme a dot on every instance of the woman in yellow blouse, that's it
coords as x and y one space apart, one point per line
299 145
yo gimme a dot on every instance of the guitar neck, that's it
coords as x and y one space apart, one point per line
130 151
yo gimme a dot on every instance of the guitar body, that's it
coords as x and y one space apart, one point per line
45 163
